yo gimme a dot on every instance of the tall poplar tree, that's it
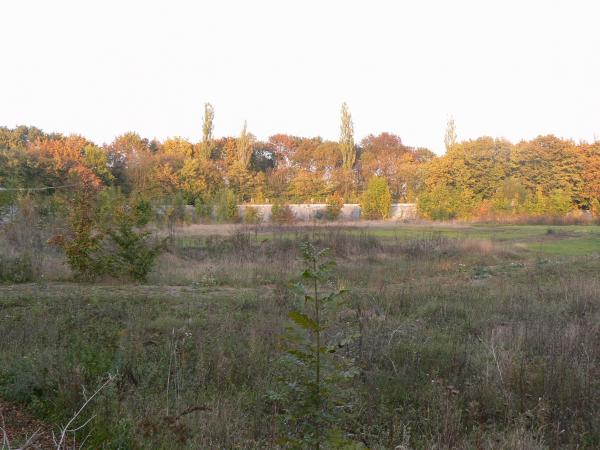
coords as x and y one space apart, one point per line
347 139
207 144
450 136
244 148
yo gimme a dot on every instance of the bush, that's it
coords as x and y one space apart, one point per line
442 203
281 214
226 209
106 238
134 255
335 203
175 211
203 210
376 201
84 240
595 207
252 215
142 211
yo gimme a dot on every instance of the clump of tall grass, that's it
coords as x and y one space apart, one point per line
16 269
435 246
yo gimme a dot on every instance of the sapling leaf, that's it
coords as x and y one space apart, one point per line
303 321
298 289
300 355
321 253
327 266
308 273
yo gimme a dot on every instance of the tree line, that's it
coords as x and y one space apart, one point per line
483 177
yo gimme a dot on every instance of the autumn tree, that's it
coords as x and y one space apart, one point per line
21 136
244 147
198 180
307 187
277 182
283 147
303 157
176 149
550 164
172 156
591 169
385 155
347 139
450 137
241 182
207 144
423 154
83 243
263 158
18 168
376 201
131 160
327 158
468 174
96 159
446 203
479 165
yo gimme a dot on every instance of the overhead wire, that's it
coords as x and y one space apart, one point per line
43 188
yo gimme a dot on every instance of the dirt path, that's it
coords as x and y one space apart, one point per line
52 289
19 426
229 229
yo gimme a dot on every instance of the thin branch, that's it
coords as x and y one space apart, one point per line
5 440
31 440
66 428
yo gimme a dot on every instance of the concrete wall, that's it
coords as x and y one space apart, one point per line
404 211
350 211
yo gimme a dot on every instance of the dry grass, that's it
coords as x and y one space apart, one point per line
466 342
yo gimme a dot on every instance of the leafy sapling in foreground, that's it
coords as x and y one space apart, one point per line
317 369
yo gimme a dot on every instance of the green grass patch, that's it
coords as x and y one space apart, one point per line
567 246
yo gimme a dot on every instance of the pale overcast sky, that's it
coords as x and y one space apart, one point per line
502 68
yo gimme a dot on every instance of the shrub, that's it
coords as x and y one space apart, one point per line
82 250
134 255
175 211
442 203
226 209
376 201
281 214
595 207
84 239
252 215
559 203
106 238
335 203
25 229
142 211
203 210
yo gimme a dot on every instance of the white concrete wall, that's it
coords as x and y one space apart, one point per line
350 211
404 211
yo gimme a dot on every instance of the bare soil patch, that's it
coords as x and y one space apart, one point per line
19 426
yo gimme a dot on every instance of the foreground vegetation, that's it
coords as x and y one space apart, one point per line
469 337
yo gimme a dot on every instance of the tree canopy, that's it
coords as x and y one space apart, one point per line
474 178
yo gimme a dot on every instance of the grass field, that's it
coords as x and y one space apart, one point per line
480 336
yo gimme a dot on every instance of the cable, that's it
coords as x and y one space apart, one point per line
45 188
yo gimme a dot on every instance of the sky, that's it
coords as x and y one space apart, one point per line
513 69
